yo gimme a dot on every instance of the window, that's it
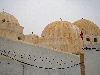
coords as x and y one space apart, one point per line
87 39
95 39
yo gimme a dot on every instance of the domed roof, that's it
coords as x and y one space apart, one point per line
6 17
63 36
60 29
88 27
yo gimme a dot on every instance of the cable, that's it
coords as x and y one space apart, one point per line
40 66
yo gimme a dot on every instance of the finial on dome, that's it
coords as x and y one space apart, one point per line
60 19
3 10
32 32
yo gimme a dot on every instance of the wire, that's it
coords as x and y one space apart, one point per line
40 66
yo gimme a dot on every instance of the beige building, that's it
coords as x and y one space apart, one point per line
10 27
59 35
62 36
31 38
91 31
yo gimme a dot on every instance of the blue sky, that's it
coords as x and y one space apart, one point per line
34 15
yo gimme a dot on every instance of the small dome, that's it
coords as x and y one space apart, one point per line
88 27
8 18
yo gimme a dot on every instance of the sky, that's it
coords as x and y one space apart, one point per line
35 15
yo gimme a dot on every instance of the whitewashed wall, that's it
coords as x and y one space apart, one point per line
36 60
92 59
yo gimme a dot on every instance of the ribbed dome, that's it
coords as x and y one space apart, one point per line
63 36
60 29
6 17
88 27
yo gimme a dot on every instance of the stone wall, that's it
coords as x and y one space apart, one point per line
31 38
11 34
24 59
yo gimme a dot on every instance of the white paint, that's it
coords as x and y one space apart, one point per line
92 60
39 54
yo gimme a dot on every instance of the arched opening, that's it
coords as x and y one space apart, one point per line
19 38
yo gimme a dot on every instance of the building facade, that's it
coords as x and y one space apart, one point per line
60 36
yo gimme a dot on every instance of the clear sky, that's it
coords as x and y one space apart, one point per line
34 15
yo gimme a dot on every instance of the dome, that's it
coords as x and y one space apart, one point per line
62 36
10 23
8 18
88 27
60 29
10 27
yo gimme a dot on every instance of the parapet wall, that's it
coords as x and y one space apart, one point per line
18 58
